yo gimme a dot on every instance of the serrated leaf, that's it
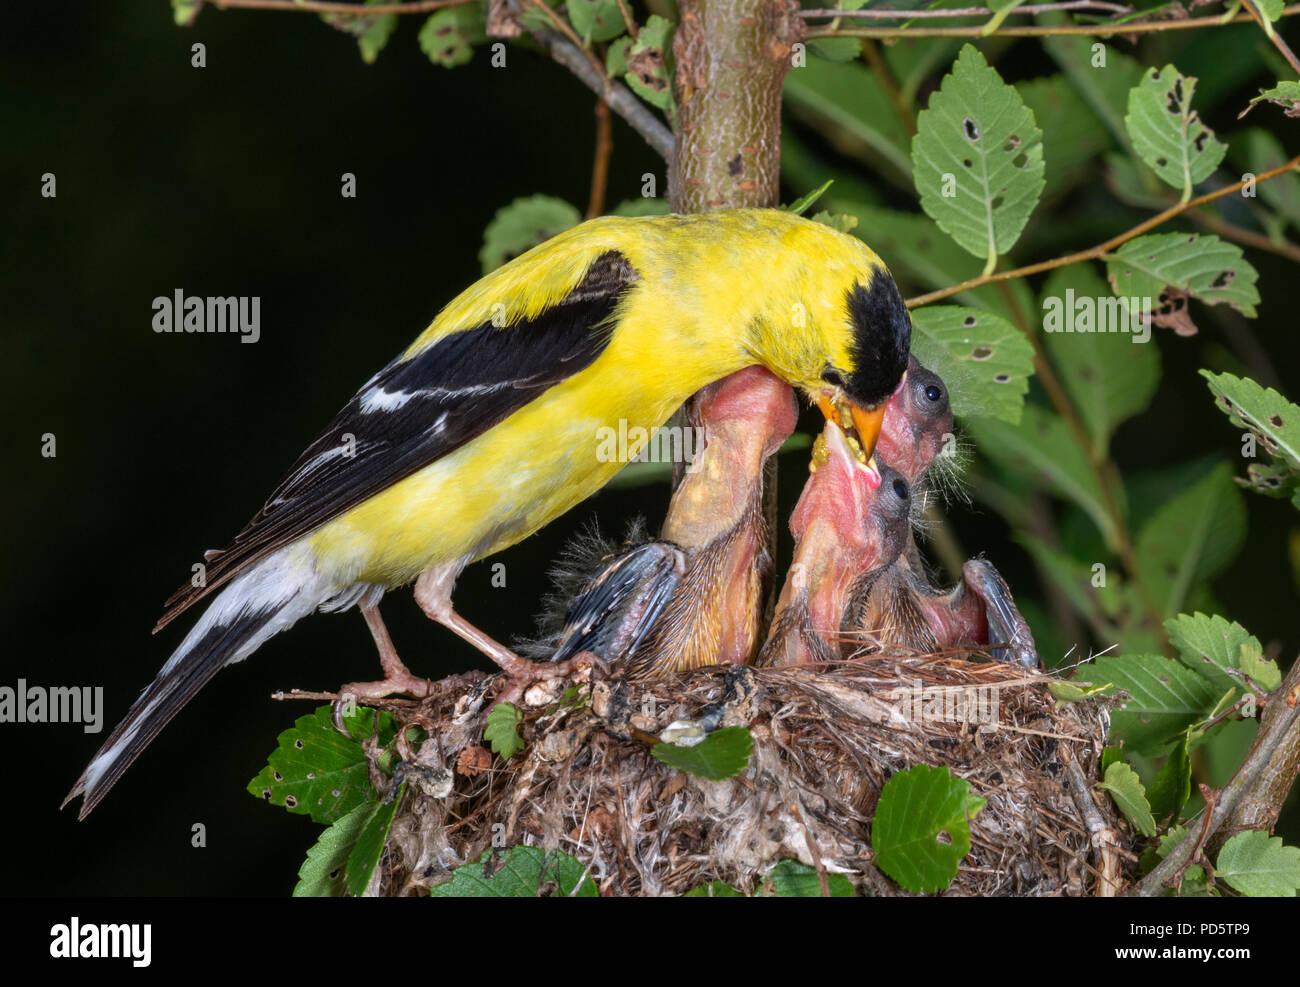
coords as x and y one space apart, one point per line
721 755
316 771
714 889
1274 421
1201 266
1259 669
1210 646
324 873
848 102
449 35
978 141
1191 539
1109 374
369 847
650 64
921 830
1284 94
522 225
1172 786
1168 134
595 20
1126 789
526 872
983 359
501 730
1259 865
1043 451
792 879
1164 698
802 204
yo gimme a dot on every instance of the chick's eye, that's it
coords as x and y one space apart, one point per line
900 489
933 393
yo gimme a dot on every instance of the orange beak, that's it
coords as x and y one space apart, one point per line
866 423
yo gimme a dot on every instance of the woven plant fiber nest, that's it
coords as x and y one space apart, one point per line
824 744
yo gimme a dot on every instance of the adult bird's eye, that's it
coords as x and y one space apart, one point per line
900 488
834 378
933 393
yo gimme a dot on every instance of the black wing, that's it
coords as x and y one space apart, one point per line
415 411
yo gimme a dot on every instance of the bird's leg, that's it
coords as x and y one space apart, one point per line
433 594
397 677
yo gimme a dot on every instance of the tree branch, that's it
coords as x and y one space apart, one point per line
1092 253
898 15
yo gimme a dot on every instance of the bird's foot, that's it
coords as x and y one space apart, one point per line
521 674
399 680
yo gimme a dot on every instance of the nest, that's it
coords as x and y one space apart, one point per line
825 742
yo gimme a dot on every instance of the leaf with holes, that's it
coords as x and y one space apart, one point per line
650 64
1103 365
1275 423
522 225
448 36
1284 94
978 159
1259 865
1045 453
501 730
792 879
922 827
1126 789
721 755
1163 269
1191 538
324 873
1211 646
316 771
523 872
1168 134
983 359
1164 698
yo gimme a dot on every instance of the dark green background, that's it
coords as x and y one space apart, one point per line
225 181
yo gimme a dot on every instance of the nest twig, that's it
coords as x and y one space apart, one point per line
825 742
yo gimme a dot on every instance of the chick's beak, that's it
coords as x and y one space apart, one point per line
866 423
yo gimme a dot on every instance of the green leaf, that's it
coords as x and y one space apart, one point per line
526 872
1165 698
1191 539
1109 756
721 755
376 36
1201 266
1168 134
978 142
1068 692
522 225
650 64
1275 423
1126 789
922 827
842 222
792 879
316 771
1263 672
616 57
1043 451
1073 135
802 204
502 730
1211 646
848 103
983 359
714 889
1001 10
836 49
596 20
1109 375
185 11
1259 865
448 36
1105 87
369 847
324 873
1272 11
1255 151
1284 94
1173 783
643 206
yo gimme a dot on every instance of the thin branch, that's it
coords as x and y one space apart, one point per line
1092 253
1273 36
600 165
621 100
323 7
1034 30
628 19
898 15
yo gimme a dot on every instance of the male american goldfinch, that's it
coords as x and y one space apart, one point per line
694 597
844 525
487 427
